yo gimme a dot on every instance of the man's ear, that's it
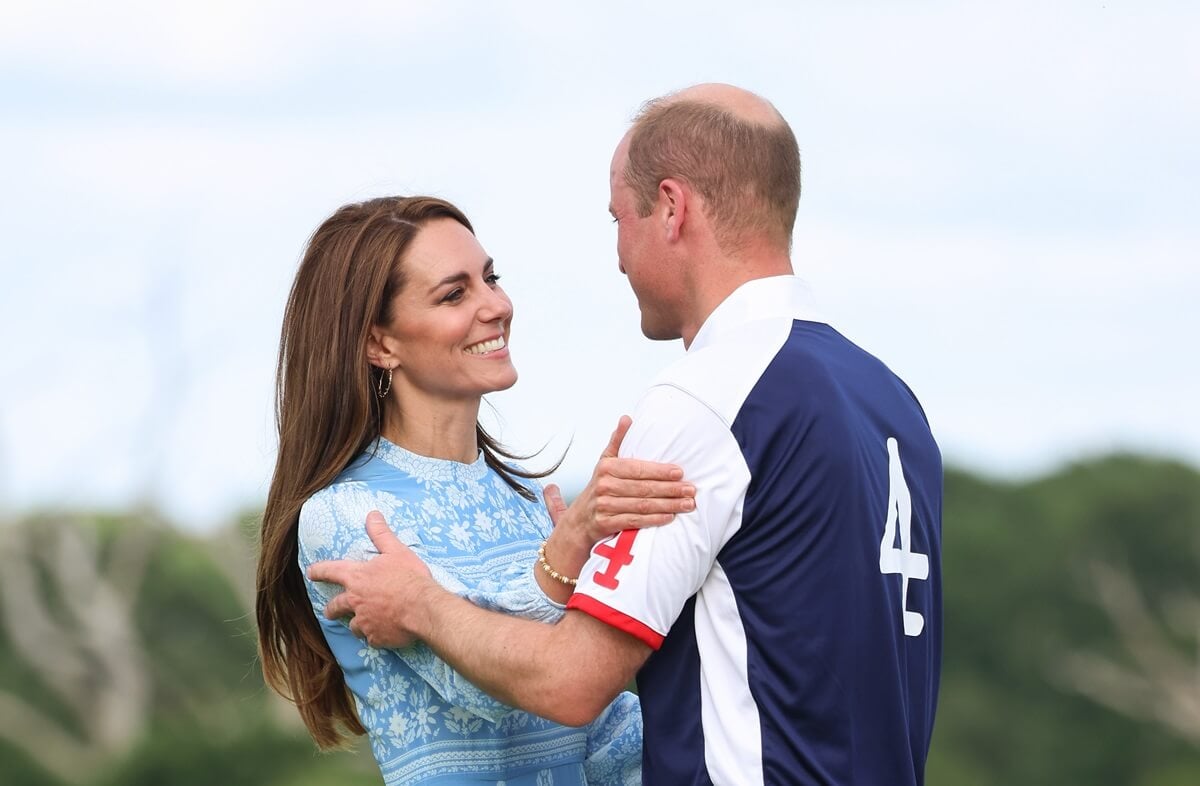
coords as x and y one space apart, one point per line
672 207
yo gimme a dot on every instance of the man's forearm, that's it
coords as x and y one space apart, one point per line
567 672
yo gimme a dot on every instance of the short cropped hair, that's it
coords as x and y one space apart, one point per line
748 173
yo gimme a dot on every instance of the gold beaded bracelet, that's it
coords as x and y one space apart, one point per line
554 574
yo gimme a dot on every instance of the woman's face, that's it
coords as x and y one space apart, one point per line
451 320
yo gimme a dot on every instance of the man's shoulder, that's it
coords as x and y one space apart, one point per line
722 374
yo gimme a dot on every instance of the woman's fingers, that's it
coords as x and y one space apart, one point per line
554 503
644 489
609 525
637 469
618 436
644 506
628 493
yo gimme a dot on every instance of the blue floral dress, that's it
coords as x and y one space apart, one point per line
427 724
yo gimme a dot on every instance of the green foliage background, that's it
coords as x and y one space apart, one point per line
1027 570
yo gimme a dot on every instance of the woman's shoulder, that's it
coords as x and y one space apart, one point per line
346 494
517 474
332 522
363 481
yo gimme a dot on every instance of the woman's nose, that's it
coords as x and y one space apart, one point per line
497 306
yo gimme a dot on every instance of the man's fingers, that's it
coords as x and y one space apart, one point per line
381 534
339 607
332 571
618 436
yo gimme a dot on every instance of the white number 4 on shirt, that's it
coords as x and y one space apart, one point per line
903 560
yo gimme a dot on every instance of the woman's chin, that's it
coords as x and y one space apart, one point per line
505 385
501 382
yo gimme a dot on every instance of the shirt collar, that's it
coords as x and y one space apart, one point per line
762 298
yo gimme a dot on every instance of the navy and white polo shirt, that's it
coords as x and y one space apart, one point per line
796 613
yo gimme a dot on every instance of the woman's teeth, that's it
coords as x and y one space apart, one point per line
486 346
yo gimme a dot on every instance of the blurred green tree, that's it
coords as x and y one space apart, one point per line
1035 577
128 655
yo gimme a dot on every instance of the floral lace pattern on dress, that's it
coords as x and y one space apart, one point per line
426 722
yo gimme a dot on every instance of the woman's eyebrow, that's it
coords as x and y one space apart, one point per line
460 276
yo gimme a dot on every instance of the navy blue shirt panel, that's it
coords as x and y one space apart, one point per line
669 683
829 663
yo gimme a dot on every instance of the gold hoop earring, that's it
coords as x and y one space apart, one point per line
381 389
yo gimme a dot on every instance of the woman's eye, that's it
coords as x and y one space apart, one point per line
452 296
493 279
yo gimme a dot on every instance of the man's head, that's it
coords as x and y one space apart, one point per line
717 164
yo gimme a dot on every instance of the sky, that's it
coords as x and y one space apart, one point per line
1000 200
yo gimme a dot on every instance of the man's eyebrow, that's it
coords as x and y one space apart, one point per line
459 277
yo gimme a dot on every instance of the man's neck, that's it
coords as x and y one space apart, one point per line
723 277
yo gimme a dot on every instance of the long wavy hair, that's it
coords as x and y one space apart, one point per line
327 414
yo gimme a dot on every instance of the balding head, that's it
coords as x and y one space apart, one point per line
731 146
742 104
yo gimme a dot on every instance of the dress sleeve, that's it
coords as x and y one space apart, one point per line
332 527
614 744
516 590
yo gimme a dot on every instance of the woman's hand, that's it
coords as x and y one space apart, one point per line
624 493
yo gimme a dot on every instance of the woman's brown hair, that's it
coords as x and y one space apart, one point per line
327 414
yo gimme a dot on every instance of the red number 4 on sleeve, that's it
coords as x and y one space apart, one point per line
619 555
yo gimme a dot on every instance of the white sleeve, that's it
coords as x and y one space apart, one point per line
639 580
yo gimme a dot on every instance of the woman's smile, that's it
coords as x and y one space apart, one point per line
489 346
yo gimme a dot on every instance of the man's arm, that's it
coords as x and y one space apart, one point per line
568 672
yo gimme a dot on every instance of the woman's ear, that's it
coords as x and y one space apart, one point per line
379 350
